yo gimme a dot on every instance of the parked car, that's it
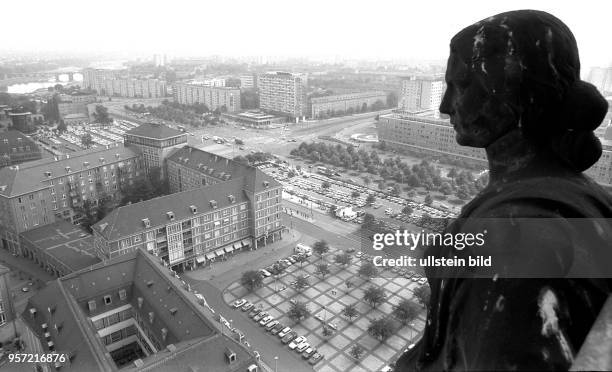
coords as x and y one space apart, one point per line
315 358
260 316
422 281
266 320
271 324
308 353
254 312
277 328
301 347
246 307
289 337
296 342
239 303
284 332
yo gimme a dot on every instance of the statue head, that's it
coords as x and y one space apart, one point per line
521 70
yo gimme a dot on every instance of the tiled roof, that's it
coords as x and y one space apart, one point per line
127 220
196 159
15 139
196 340
30 176
153 130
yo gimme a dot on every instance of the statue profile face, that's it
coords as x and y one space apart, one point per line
480 97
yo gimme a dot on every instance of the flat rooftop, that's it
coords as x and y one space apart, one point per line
69 244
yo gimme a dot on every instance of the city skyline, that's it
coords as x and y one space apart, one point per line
331 31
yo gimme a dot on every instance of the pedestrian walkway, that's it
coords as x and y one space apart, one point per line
326 298
27 267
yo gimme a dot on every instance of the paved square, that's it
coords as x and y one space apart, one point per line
327 297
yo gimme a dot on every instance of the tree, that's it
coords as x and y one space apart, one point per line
322 269
367 270
325 185
428 200
327 331
422 294
381 328
88 216
348 283
86 140
371 199
407 210
301 259
251 280
343 259
392 99
374 295
61 127
321 247
101 115
298 311
141 189
300 283
356 351
350 311
405 311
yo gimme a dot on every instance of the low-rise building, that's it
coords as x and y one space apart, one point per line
346 103
17 148
74 104
21 121
128 314
255 119
60 248
40 192
222 98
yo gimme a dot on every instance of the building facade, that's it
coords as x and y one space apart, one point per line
213 97
248 81
218 206
17 148
424 133
135 88
21 121
283 93
346 103
7 314
74 104
421 94
38 193
154 142
94 78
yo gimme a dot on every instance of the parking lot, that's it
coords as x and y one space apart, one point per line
325 298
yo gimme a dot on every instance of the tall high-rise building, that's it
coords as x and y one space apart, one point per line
283 93
159 60
94 78
248 81
212 97
421 94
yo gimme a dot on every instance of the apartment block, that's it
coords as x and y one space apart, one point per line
218 206
154 142
129 314
16 148
94 79
213 97
38 193
283 93
356 102
424 133
248 81
135 88
421 94
74 104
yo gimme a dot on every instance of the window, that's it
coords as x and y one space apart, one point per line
122 294
108 300
92 305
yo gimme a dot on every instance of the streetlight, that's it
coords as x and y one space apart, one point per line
275 364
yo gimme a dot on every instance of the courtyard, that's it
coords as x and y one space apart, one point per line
326 298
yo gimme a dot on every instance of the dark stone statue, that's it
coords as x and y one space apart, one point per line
513 88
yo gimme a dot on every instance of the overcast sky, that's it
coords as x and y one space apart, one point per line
383 29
